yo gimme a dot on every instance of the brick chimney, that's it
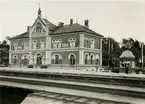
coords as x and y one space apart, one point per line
60 24
86 23
71 21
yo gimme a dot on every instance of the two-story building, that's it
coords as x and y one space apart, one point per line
44 43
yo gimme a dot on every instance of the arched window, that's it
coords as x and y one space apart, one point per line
57 43
72 42
34 44
42 43
91 59
72 59
56 59
15 46
92 43
15 58
39 58
86 58
97 58
23 45
38 28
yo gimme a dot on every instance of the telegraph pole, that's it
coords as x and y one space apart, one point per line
142 55
109 52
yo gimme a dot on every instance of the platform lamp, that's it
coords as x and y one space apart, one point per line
0 55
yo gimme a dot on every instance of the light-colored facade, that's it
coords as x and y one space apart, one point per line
63 46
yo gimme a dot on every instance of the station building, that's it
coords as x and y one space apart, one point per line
44 43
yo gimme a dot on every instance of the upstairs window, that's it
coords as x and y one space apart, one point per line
57 43
38 28
72 42
23 45
15 46
26 45
34 44
89 43
42 44
92 43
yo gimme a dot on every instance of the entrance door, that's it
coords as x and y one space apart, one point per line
72 60
56 59
39 59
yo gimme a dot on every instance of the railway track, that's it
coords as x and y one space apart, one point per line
102 88
68 99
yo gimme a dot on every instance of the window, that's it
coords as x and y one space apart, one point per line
15 46
86 58
91 59
97 58
92 43
38 28
56 59
42 44
72 59
15 57
23 45
34 44
57 43
26 46
72 42
89 43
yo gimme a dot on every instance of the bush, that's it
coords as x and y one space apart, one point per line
44 66
30 66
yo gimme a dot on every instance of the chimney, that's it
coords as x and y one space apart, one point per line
28 28
60 24
86 23
71 21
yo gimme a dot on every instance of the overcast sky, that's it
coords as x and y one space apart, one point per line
116 19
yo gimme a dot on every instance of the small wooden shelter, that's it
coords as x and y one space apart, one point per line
127 59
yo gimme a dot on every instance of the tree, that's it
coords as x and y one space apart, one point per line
4 53
110 52
134 46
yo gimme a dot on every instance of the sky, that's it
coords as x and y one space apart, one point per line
111 18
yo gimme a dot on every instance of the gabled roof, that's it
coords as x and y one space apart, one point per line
127 54
51 25
23 35
73 28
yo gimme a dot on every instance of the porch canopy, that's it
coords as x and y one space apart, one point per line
127 55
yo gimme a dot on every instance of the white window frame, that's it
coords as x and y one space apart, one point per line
92 45
72 41
42 43
34 44
15 45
